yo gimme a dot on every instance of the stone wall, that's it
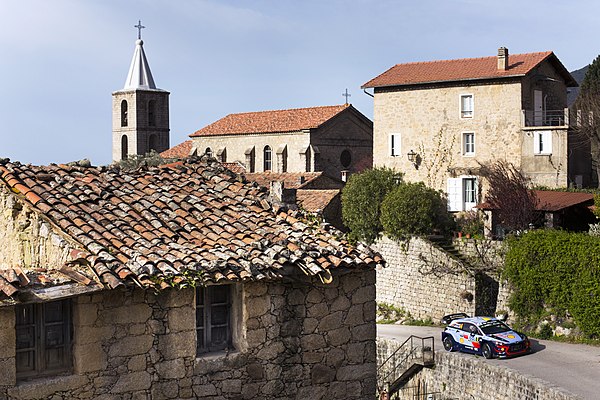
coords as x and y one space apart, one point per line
457 376
423 280
292 340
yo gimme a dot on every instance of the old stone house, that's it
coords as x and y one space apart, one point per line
175 282
335 139
436 121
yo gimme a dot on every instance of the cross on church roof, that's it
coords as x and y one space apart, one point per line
139 26
346 95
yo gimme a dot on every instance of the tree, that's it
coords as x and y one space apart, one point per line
414 209
361 201
509 194
586 111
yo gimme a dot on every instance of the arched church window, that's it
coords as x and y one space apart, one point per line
268 159
152 143
124 113
208 152
151 113
124 147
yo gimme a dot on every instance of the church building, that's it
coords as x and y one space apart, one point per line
140 111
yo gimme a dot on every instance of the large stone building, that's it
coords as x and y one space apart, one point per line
436 121
140 111
179 281
335 139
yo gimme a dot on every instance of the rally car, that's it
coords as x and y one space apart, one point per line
487 336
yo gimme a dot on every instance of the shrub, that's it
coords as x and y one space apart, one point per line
555 272
361 202
414 209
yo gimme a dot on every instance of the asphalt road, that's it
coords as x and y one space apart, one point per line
573 367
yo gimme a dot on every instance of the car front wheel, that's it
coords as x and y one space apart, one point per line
486 351
448 343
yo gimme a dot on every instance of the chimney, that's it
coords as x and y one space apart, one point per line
502 59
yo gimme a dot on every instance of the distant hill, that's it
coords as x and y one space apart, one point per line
572 93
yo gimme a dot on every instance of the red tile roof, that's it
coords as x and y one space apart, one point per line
294 180
236 167
161 226
271 121
314 200
555 201
182 150
464 70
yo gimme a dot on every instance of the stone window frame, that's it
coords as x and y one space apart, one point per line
542 143
466 151
207 307
464 113
32 317
395 142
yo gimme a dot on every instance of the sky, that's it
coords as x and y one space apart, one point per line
60 60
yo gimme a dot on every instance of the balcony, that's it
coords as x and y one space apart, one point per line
532 118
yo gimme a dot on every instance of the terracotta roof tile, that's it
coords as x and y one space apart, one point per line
185 224
314 200
462 70
271 121
182 150
551 201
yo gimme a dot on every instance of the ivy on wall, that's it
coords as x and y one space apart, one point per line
555 272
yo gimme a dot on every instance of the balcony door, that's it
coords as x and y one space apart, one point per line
538 107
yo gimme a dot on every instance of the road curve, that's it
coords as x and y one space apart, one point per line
573 367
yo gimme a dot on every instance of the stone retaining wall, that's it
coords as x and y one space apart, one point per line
458 377
293 340
423 280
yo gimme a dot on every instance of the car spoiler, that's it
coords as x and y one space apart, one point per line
446 319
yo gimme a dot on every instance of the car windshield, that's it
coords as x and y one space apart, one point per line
492 327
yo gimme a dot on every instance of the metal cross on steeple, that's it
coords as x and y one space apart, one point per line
346 95
139 26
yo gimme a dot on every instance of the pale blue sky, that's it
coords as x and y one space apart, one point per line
60 60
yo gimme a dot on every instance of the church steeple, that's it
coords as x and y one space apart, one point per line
140 110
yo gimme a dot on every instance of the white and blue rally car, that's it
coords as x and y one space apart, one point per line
487 336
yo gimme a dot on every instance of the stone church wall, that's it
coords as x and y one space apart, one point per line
294 340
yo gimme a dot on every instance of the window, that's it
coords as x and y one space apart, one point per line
250 159
152 143
462 193
542 142
468 144
466 105
208 152
222 154
43 333
268 159
395 144
151 113
213 318
124 113
124 147
346 158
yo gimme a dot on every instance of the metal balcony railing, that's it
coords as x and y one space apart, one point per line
533 118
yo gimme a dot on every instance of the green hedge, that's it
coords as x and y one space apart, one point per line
553 272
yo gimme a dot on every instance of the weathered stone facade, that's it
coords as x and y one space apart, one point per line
293 340
463 377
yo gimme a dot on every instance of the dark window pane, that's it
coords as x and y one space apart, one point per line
200 339
53 312
218 336
200 296
55 357
200 317
54 335
219 294
25 361
25 337
219 315
25 314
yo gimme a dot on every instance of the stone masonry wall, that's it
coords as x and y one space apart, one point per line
457 376
293 340
423 280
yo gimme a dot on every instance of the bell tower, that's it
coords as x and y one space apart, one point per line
140 111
